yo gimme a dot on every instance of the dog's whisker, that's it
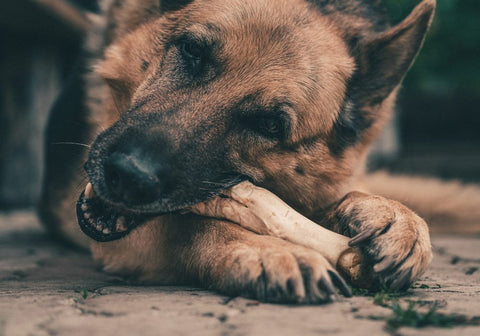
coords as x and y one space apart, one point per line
212 183
225 183
72 143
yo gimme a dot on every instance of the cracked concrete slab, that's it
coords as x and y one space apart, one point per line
49 289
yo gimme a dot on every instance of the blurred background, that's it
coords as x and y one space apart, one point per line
436 131
439 105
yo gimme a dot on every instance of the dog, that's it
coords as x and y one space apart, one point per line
181 100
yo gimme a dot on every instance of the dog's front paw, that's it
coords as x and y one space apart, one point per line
277 271
393 238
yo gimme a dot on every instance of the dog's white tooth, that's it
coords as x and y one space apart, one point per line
87 215
84 207
89 193
99 227
106 231
120 227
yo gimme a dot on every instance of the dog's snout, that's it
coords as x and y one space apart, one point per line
133 179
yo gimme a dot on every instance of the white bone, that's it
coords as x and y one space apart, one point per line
261 211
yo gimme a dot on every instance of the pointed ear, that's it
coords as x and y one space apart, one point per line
171 5
384 59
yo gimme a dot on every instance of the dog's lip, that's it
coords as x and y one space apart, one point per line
105 221
172 203
102 222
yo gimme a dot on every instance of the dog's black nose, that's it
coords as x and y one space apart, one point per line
132 178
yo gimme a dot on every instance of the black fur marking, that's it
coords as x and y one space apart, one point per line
196 177
299 170
348 128
172 5
145 65
371 10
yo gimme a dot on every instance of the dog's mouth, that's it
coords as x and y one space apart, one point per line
102 222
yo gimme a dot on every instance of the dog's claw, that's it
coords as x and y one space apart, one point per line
387 263
340 284
326 284
362 237
404 277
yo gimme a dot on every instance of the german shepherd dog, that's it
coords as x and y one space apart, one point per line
181 100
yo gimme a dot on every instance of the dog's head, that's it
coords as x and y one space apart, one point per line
285 93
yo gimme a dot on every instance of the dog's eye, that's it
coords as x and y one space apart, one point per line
192 52
271 127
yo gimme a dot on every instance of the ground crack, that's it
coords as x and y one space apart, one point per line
85 311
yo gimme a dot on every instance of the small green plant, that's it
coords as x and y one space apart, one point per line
384 298
83 295
422 286
360 291
412 317
379 297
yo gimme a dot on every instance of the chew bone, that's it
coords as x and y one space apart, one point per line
261 211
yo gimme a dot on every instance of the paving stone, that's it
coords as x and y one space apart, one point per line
49 289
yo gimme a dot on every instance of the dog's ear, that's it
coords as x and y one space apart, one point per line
171 5
384 59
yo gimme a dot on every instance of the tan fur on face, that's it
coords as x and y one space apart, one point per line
310 70
288 53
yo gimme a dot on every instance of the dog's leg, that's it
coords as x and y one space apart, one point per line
224 257
447 206
67 139
393 238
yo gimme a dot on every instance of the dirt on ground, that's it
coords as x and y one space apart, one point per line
49 289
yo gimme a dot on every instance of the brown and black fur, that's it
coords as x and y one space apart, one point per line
289 94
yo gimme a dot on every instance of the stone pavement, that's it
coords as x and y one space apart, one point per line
48 289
